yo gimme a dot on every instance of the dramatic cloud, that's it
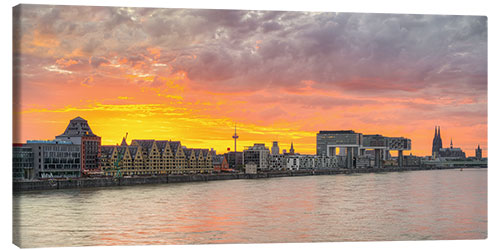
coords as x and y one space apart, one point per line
306 71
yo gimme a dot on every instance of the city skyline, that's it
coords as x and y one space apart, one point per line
185 74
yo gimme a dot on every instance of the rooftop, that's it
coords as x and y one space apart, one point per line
77 127
337 132
48 142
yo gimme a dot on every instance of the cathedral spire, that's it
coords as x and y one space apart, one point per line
437 143
451 143
435 135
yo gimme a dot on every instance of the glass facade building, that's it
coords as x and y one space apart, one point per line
338 137
22 162
55 159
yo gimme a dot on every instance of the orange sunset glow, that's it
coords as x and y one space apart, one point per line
191 75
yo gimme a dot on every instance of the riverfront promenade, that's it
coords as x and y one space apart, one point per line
128 181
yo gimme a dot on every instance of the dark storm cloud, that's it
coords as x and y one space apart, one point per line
406 52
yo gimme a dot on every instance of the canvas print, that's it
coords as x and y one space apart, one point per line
157 126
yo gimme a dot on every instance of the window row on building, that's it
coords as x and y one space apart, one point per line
260 156
311 162
46 159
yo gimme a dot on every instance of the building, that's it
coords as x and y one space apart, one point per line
374 147
235 160
79 133
365 161
293 162
437 143
154 157
277 162
479 153
398 144
22 162
179 157
55 159
354 147
257 154
199 161
108 159
292 151
112 160
325 162
220 163
339 142
451 153
250 168
310 162
275 149
412 161
307 162
327 142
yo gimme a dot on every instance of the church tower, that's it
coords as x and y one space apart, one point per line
440 142
479 153
437 143
434 141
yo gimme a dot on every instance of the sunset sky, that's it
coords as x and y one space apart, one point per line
190 75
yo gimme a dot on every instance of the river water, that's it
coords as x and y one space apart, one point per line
418 205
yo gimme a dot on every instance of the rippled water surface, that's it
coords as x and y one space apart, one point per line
419 205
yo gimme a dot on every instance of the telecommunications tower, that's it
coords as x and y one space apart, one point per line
235 136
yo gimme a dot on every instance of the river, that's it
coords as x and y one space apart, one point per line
414 205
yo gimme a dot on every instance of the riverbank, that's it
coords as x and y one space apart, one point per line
19 186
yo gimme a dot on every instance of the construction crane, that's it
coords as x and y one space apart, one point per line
117 168
118 173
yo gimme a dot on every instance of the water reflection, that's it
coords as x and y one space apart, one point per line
444 204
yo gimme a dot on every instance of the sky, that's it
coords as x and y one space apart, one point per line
191 75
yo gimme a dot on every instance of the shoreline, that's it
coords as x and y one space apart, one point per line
35 185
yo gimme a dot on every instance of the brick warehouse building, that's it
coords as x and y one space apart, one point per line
78 131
